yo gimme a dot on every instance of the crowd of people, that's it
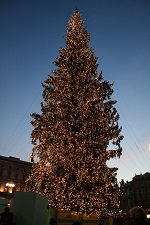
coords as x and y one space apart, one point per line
137 216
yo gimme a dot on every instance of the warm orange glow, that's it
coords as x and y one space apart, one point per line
1 189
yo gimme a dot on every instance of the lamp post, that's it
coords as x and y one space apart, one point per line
9 185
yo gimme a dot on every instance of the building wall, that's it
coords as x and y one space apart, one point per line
141 185
13 173
136 193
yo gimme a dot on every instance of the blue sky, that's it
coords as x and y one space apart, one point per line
32 32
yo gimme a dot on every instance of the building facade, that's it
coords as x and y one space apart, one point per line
136 193
13 173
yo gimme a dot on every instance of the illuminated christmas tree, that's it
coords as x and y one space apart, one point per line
72 135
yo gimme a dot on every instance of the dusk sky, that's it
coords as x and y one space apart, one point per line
32 32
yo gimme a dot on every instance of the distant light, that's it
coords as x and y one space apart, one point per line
10 185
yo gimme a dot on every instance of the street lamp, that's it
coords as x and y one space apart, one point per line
9 185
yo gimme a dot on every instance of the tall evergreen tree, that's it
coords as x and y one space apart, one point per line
72 135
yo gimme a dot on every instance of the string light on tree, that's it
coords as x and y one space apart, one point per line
71 136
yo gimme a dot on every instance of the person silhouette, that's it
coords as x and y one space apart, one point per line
52 221
6 217
76 222
137 216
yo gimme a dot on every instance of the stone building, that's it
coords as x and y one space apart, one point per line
13 173
137 193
